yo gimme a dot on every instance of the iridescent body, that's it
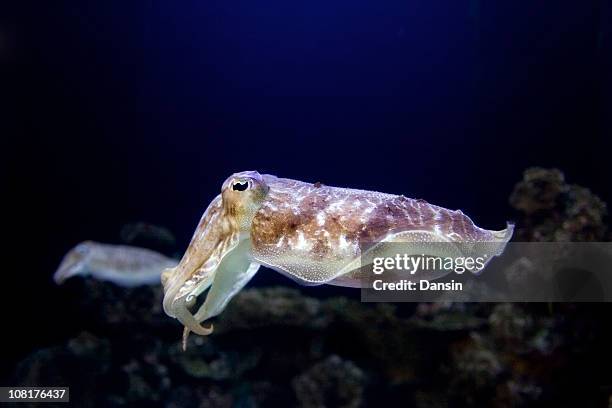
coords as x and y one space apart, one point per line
312 233
121 264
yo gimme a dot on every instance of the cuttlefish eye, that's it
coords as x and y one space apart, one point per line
240 185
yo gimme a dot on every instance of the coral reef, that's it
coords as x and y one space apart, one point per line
277 347
332 382
553 210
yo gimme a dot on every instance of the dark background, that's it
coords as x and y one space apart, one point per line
137 111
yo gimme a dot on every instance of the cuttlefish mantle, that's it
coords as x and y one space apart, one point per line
308 232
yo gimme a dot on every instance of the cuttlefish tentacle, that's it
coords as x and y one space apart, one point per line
312 233
221 238
189 292
199 250
197 283
198 263
233 273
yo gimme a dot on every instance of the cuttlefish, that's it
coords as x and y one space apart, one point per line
312 233
123 265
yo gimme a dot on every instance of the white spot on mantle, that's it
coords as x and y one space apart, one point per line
280 242
321 218
302 243
342 242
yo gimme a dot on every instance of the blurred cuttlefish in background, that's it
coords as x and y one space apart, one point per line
308 232
121 264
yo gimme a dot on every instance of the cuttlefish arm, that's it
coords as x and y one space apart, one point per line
212 239
218 257
225 279
123 265
232 274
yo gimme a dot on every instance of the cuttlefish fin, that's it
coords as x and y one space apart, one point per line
422 244
355 275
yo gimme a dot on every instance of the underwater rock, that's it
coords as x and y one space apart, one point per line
145 376
476 372
515 328
105 303
376 331
199 396
517 393
512 362
448 316
539 190
522 274
274 306
333 382
450 322
233 395
585 214
519 331
280 347
428 310
553 210
66 365
138 385
477 361
509 324
402 349
424 399
86 345
207 361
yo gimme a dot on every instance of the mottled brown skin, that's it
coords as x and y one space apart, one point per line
382 215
